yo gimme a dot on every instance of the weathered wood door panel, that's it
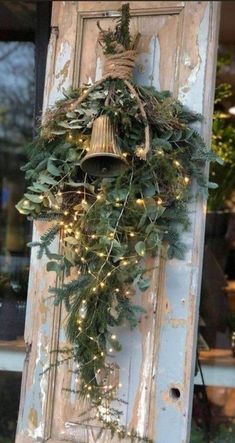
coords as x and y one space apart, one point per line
177 51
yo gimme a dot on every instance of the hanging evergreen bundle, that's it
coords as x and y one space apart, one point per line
109 224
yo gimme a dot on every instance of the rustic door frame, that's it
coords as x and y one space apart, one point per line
170 334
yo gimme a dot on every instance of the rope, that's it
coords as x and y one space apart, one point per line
120 65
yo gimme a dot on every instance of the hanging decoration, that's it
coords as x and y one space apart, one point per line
112 166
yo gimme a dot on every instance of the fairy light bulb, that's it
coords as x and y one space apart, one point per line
117 290
83 260
83 301
94 289
159 201
113 337
132 234
186 180
125 262
101 254
102 284
99 197
66 213
70 137
177 163
110 350
108 274
139 201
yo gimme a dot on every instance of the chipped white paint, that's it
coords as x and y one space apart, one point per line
98 71
188 93
147 70
142 411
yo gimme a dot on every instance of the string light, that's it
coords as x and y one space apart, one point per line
159 201
99 197
110 349
125 262
177 163
132 234
186 179
117 290
94 289
140 201
113 337
66 213
102 284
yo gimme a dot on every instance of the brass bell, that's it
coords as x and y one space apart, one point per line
104 158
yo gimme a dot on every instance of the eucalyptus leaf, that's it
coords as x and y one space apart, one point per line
140 248
33 198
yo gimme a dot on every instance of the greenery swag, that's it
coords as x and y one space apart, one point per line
108 225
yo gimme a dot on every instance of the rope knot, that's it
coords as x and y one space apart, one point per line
120 65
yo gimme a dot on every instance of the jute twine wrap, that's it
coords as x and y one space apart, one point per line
120 66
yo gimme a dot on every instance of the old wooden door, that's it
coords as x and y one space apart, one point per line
177 51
